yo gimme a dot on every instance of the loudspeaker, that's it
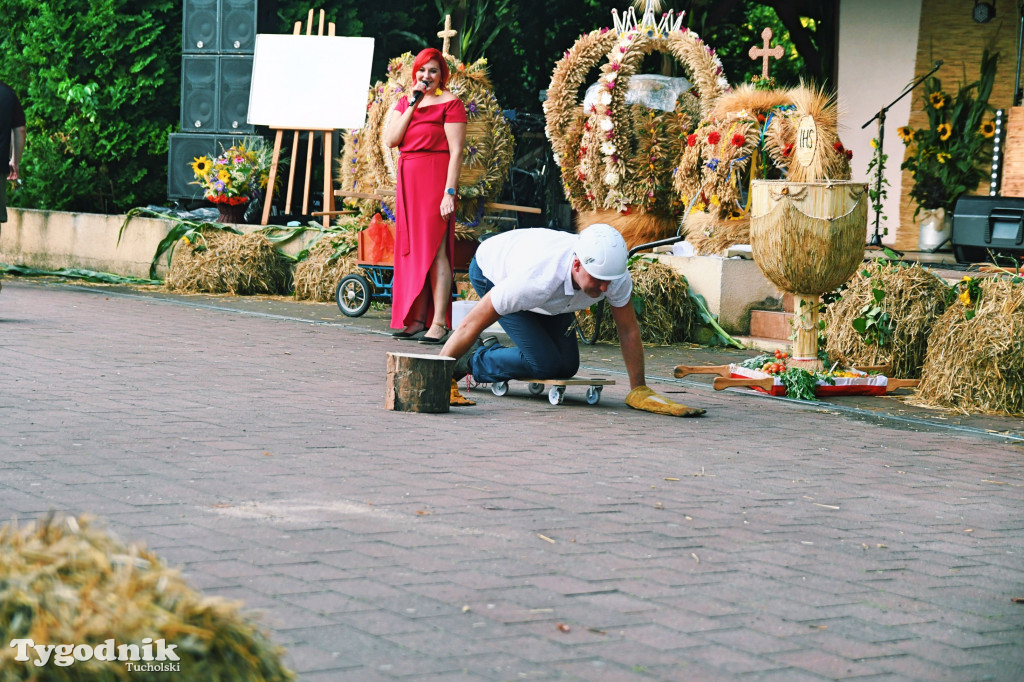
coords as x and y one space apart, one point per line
985 223
215 93
237 26
233 94
199 92
183 149
200 26
211 26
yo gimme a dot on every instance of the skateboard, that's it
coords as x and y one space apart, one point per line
556 388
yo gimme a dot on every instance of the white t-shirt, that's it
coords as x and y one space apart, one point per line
532 270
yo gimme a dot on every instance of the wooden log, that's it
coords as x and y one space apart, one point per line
418 383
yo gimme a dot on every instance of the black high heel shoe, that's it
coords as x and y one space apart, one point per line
434 341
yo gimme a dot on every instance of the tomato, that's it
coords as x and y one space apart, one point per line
778 354
785 355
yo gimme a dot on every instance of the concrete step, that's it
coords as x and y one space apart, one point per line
771 324
765 345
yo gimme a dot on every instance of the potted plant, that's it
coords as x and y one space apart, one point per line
945 159
235 177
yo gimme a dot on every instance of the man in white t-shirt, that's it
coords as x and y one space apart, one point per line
533 281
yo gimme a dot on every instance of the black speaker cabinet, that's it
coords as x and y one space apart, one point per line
183 149
225 26
199 92
200 30
215 93
237 26
233 94
984 223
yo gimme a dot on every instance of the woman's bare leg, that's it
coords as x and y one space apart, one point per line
441 286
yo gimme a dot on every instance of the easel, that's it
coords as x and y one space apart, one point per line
328 137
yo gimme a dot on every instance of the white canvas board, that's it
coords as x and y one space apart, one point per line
309 82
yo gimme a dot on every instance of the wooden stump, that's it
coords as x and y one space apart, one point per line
418 383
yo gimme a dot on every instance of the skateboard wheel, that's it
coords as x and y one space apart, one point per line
499 388
556 394
536 388
593 395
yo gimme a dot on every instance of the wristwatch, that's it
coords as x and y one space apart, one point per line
450 191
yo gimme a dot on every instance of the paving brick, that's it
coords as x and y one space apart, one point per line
824 547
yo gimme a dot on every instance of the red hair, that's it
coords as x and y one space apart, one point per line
425 56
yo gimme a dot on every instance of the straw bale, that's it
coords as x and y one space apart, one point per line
636 228
914 299
223 262
330 259
977 365
662 300
64 580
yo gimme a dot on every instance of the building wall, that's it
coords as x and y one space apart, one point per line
948 32
877 57
883 47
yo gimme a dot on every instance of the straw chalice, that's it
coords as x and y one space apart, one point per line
808 238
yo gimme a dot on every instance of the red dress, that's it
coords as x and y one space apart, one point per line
422 178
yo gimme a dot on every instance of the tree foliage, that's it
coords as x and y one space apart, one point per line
99 81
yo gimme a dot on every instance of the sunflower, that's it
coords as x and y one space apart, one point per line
937 99
201 166
944 130
906 133
987 129
223 176
942 157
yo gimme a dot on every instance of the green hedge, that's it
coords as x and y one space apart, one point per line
100 84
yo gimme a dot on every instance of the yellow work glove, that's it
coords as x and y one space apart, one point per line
643 398
456 398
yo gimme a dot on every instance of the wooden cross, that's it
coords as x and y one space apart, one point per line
447 33
764 53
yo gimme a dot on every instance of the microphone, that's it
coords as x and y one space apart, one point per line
939 63
417 94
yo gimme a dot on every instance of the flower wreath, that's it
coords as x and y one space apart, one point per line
587 146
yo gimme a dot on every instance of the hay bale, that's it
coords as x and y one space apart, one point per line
219 262
664 309
65 581
330 259
914 299
977 364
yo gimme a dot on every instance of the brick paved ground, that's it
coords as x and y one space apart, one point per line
770 540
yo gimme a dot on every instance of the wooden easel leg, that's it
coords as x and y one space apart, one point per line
291 173
272 177
328 203
309 173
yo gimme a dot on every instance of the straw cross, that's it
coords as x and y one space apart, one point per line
447 33
764 53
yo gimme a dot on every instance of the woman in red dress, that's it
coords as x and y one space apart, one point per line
429 129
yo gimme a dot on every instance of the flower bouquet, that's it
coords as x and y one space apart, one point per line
235 177
945 159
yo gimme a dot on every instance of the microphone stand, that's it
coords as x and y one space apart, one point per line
876 238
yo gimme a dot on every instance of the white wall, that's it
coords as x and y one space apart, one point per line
877 51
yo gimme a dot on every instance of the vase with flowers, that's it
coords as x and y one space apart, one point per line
946 158
235 177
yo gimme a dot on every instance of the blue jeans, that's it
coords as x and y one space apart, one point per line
545 344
